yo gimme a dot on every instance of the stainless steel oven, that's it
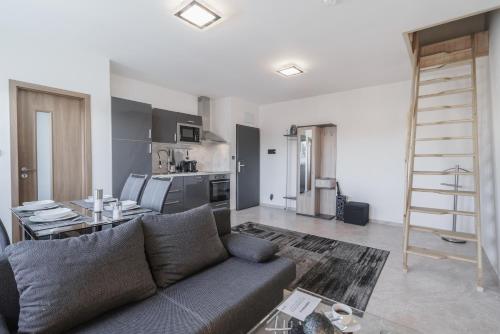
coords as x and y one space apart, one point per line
220 192
188 133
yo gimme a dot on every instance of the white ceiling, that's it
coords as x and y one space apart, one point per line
353 44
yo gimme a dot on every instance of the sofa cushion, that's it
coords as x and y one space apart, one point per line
222 220
249 248
179 245
9 297
229 298
63 283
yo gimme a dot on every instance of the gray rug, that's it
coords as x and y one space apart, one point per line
338 270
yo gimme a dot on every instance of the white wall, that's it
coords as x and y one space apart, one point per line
226 113
158 96
371 126
62 67
493 249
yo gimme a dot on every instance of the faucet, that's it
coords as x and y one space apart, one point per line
159 158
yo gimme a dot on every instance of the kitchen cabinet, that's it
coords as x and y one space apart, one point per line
131 140
131 120
196 192
175 198
129 156
165 124
189 119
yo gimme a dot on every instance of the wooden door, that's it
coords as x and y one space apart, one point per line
51 137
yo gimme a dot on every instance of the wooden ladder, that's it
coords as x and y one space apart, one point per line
444 55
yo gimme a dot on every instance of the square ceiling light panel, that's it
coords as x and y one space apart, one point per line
290 70
197 15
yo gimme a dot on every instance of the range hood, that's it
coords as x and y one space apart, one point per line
204 110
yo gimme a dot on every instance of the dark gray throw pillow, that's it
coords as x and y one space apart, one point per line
179 245
249 248
63 283
9 297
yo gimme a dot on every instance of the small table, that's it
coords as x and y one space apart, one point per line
79 225
370 324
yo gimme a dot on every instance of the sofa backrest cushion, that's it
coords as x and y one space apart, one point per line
223 221
63 283
181 244
9 297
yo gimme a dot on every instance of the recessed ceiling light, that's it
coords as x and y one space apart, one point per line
198 15
290 70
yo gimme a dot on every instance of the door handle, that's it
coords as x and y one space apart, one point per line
150 148
175 137
239 166
149 133
26 169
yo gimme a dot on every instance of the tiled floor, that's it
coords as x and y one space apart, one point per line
433 297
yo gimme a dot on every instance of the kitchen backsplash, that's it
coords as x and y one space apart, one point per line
211 157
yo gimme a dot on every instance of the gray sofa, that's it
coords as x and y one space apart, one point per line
229 297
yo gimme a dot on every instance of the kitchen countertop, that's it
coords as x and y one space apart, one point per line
191 174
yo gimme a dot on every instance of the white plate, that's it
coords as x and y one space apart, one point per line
53 214
38 205
38 219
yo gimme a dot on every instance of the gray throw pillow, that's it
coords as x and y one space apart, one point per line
179 245
249 248
63 283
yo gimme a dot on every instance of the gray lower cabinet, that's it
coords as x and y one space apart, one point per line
196 192
175 198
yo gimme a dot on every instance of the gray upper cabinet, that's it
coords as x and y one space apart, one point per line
165 124
189 119
196 192
131 120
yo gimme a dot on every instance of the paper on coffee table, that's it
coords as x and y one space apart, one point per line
299 305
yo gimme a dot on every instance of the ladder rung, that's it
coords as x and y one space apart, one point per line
444 79
447 92
457 106
422 172
438 255
443 138
443 155
445 66
445 233
434 211
445 192
451 121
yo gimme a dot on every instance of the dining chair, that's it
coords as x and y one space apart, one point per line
4 237
155 193
133 187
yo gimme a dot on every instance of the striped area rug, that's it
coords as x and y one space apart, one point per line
338 270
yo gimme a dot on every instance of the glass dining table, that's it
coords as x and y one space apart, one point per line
84 221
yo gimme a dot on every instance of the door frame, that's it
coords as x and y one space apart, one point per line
14 87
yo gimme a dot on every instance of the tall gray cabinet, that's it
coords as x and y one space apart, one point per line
131 133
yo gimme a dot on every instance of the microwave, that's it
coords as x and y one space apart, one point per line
188 133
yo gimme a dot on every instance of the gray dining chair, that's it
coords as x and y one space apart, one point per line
155 193
133 187
4 237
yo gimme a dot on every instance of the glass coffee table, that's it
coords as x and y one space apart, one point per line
278 322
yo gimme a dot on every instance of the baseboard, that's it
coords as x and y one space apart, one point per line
273 206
